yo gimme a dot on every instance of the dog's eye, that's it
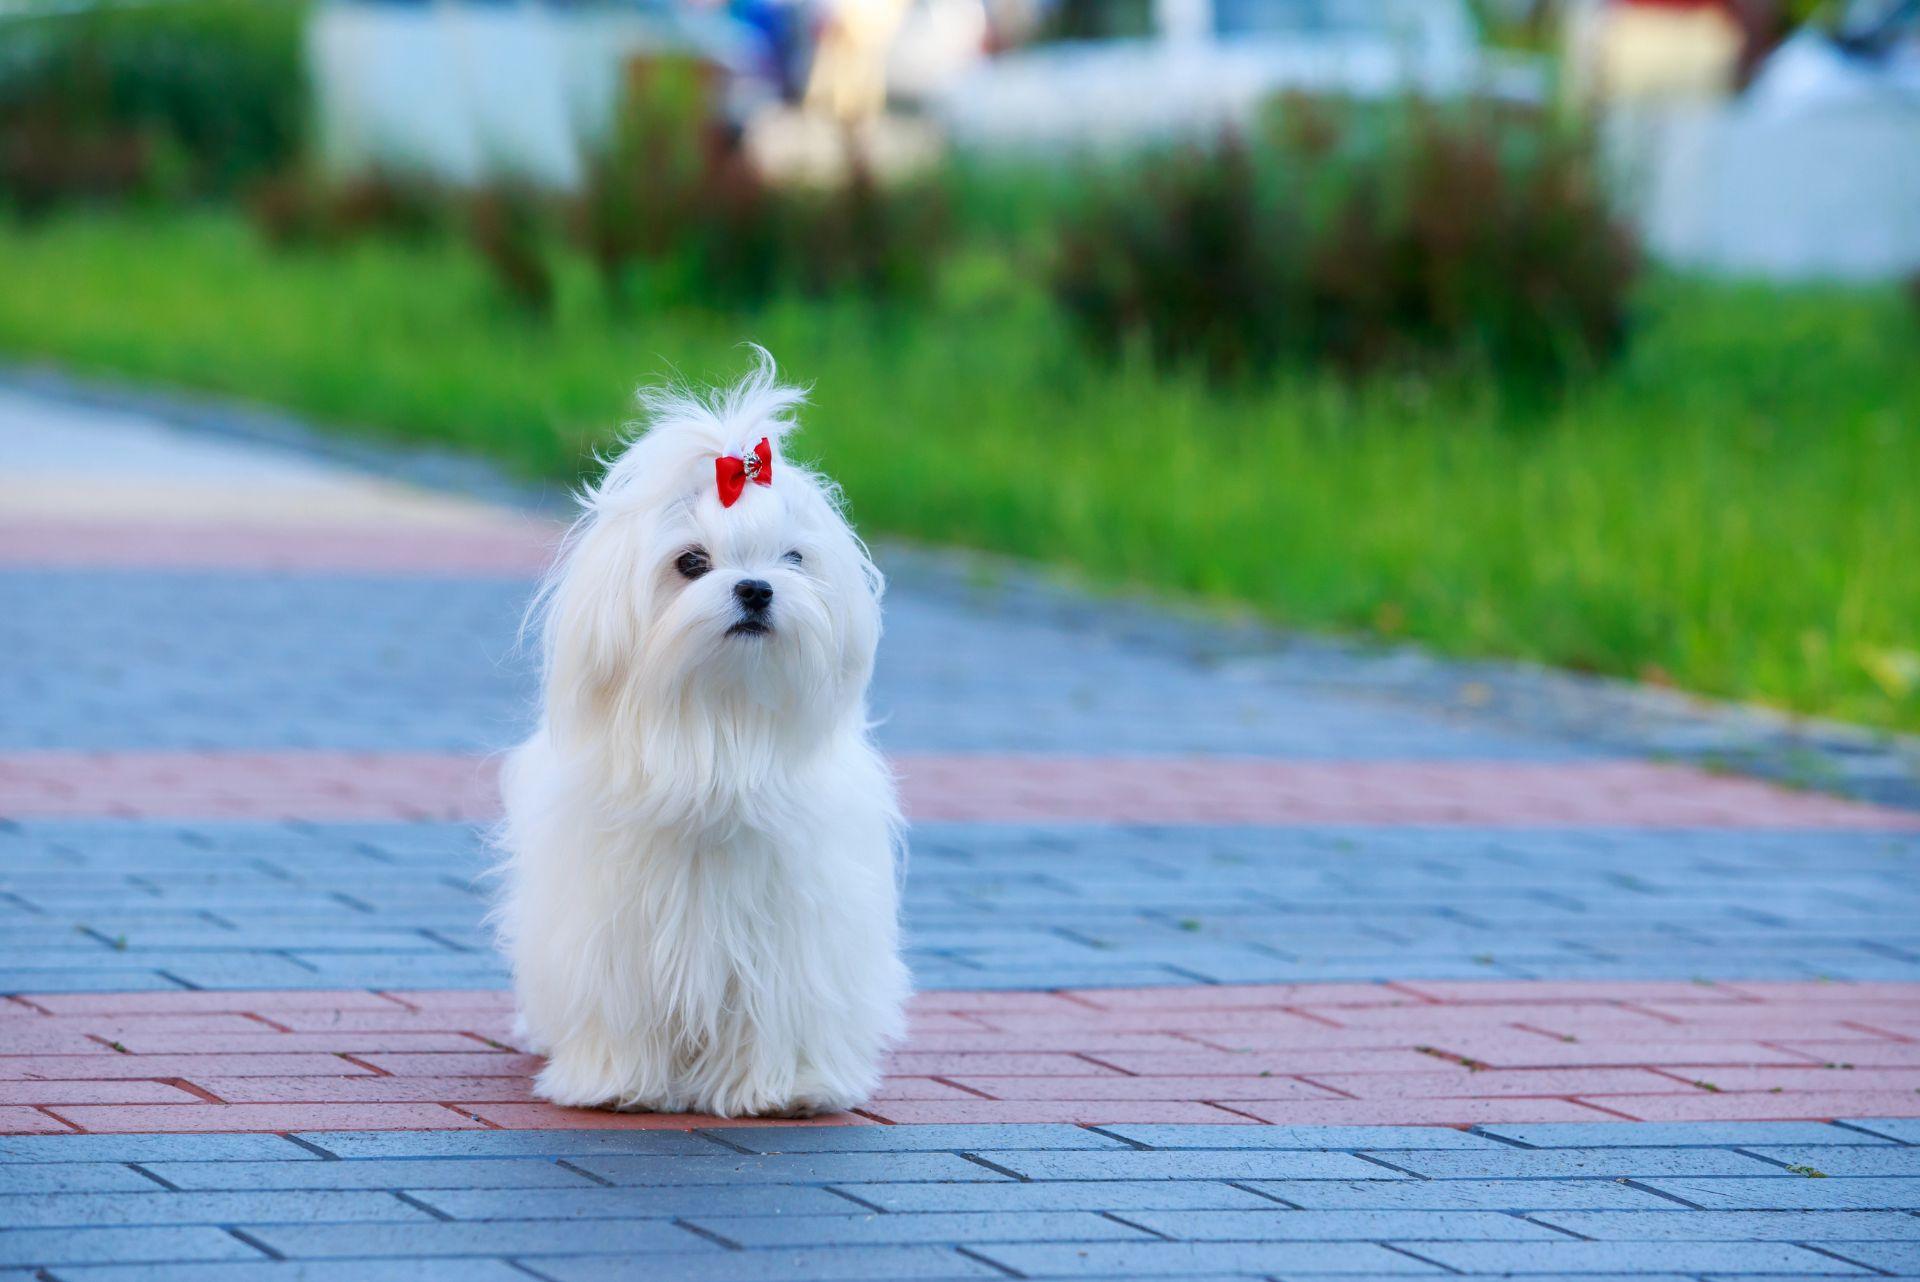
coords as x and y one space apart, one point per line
693 563
793 557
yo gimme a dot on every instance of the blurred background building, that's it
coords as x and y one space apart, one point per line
1434 319
1743 140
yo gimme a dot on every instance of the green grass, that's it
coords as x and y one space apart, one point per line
1736 508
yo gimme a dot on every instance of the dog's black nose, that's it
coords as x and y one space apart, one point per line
755 594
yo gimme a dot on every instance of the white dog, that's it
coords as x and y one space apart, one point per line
701 898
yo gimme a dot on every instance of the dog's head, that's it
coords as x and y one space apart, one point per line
711 592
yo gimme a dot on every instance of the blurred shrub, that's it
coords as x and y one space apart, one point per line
508 229
297 208
173 97
674 187
1098 20
1407 238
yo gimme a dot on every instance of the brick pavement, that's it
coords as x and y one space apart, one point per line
1223 975
1292 1055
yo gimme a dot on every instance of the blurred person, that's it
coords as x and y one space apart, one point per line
1653 50
849 77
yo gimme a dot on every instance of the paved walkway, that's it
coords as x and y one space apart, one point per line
1222 973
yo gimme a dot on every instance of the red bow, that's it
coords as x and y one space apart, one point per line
733 473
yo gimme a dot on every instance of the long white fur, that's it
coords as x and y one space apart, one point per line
700 893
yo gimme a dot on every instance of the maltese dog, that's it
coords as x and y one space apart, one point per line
701 839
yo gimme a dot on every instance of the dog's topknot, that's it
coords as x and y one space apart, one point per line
685 429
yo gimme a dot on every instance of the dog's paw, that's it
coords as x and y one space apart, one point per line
568 1082
523 1038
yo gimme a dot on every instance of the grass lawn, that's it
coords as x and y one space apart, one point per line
1736 508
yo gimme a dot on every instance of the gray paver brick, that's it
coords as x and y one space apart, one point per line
491 1144
1902 1259
90 1210
963 1227
1904 1129
128 660
1570 1257
72 1177
787 1168
635 1201
1786 1192
1061 1195
1887 1160
1463 1195
55 1247
1302 1137
867 1264
1267 903
1246 1164
464 1270
900 1139
1679 1134
1173 1258
151 1148
1277 1224
1598 1163
477 1237
484 1173
1733 1226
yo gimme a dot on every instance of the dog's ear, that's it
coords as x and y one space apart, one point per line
591 628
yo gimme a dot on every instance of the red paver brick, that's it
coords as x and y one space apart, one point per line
436 1064
541 1117
1511 1053
105 1067
353 1043
258 1002
1000 1000
1148 1088
1241 996
1228 790
1073 1112
1818 1078
340 786
485 1023
453 999
919 1022
1423 1112
1492 1015
924 1088
279 786
913 1063
1276 1022
111 1091
518 549
1773 1014
1040 1039
1281 1063
1501 1083
1824 991
369 1090
1558 992
1859 1054
1144 1057
1804 1105
1333 1039
121 1025
164 1118
31 1121
48 1041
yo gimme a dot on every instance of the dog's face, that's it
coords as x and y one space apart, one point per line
771 599
678 619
